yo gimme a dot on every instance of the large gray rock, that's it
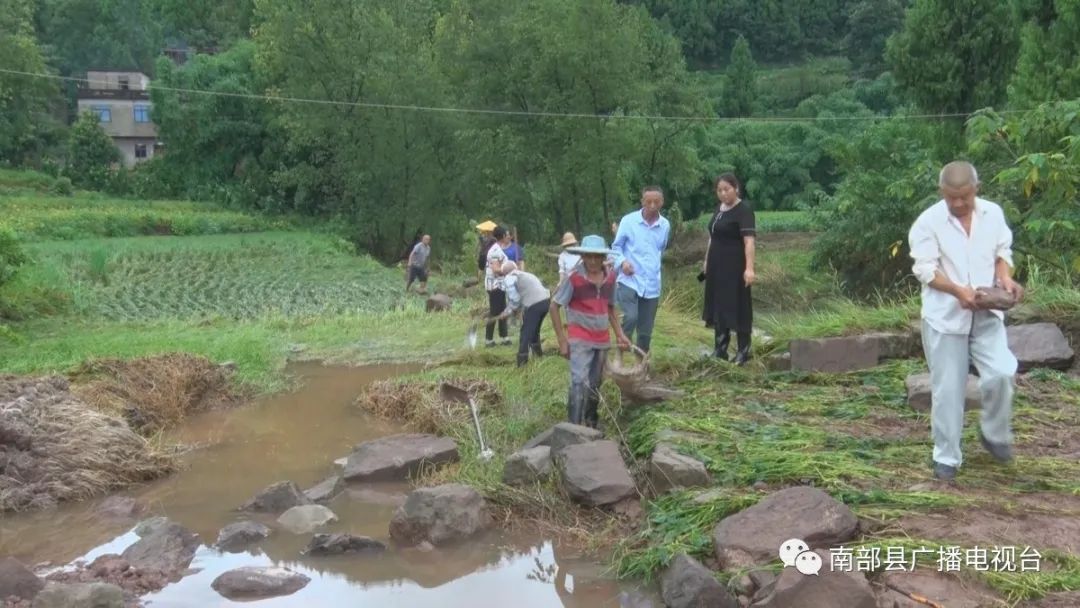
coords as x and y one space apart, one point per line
688 584
235 537
120 508
919 392
252 583
834 355
80 595
896 345
935 586
305 519
17 580
827 589
594 474
168 548
543 439
440 515
398 457
565 434
1040 345
753 536
339 544
669 470
277 498
147 526
326 490
439 302
527 466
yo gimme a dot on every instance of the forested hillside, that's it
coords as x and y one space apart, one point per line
393 117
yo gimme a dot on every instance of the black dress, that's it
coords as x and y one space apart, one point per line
727 298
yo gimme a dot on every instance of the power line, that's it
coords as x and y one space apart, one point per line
523 113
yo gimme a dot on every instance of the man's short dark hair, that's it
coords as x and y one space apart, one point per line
652 189
499 233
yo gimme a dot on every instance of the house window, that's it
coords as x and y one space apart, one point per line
140 150
142 113
104 113
124 83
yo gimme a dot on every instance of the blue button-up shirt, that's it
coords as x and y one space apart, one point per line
642 245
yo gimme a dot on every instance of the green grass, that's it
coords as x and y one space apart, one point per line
770 221
16 181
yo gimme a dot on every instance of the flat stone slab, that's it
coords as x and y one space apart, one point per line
251 583
399 457
935 586
897 345
670 470
1040 345
688 584
440 515
233 538
565 434
306 518
834 355
595 475
827 588
277 498
340 544
753 536
527 466
326 490
919 392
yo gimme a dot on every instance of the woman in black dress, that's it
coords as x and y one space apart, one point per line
729 270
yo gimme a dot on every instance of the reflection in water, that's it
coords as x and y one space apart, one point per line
297 436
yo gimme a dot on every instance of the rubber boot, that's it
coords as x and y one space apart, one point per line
576 408
743 354
723 338
592 417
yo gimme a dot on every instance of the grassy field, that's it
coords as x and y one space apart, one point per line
259 298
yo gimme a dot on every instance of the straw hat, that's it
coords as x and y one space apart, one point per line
487 226
568 239
593 244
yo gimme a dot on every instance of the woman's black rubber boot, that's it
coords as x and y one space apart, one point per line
743 354
723 338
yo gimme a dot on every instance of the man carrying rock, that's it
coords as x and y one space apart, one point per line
587 294
418 264
525 291
959 245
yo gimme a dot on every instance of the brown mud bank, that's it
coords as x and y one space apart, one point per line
72 438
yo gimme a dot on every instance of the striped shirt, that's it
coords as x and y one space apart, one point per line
587 307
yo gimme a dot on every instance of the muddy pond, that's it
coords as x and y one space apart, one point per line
297 436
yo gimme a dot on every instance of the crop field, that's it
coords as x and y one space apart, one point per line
772 221
236 277
38 217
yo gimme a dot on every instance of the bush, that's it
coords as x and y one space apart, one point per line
890 179
11 254
62 187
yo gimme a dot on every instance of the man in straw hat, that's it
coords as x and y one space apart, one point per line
588 296
567 261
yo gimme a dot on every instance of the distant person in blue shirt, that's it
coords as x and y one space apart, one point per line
516 253
640 241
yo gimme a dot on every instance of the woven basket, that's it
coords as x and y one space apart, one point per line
622 373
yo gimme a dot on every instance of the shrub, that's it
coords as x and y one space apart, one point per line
11 254
62 187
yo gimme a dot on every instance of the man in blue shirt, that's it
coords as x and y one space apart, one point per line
639 243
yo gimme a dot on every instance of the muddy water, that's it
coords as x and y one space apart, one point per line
297 436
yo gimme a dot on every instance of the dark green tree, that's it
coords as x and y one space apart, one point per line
952 56
740 89
90 154
26 125
1048 68
869 25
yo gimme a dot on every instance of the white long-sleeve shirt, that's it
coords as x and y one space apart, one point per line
939 243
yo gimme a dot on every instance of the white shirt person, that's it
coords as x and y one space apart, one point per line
958 245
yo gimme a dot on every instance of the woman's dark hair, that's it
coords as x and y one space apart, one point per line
730 179
499 233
